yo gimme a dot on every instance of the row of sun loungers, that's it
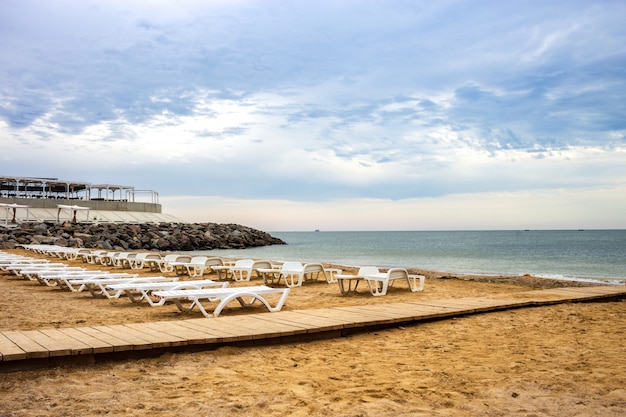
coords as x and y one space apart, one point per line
156 291
291 274
188 295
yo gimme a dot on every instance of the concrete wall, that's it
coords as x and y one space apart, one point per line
92 204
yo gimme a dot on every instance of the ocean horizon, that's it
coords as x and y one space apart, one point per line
584 255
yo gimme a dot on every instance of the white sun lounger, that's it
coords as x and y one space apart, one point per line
379 282
98 287
30 272
76 283
18 261
51 278
165 264
242 269
246 296
141 260
197 266
294 274
138 292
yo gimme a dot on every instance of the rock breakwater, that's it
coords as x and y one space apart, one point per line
151 237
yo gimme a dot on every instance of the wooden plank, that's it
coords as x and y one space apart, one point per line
9 350
106 339
304 323
54 346
32 348
121 340
420 311
139 341
217 335
222 327
63 342
269 326
175 331
352 318
403 312
97 345
251 327
156 338
312 322
376 313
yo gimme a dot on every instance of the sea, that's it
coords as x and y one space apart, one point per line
583 255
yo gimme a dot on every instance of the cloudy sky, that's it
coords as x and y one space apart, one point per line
333 115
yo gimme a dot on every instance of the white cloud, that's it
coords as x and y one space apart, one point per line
303 104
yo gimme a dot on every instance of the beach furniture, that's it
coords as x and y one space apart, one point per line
140 291
121 259
187 300
197 266
142 260
30 271
377 281
98 286
165 264
6 262
242 269
77 282
294 274
94 256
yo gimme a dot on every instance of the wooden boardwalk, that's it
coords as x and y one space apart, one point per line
32 349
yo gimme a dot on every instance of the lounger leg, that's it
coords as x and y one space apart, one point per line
270 278
292 280
377 288
350 289
412 281
254 297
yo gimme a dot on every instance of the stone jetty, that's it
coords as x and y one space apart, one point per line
145 236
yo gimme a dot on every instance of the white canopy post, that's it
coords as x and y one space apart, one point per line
73 211
13 207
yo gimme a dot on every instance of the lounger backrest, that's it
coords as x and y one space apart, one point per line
368 270
244 263
213 261
292 266
171 257
198 260
396 273
182 258
261 265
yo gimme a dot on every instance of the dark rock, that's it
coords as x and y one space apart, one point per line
163 236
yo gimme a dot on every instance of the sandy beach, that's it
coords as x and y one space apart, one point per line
562 360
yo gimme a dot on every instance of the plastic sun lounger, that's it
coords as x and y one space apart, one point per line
379 282
98 287
31 272
76 283
242 269
294 274
121 259
137 292
197 266
165 264
7 262
51 278
141 260
246 296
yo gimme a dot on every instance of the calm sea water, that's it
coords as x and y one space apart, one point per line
561 254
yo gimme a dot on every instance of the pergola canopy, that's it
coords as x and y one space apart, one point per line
31 187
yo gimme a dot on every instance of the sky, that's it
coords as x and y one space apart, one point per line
333 115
